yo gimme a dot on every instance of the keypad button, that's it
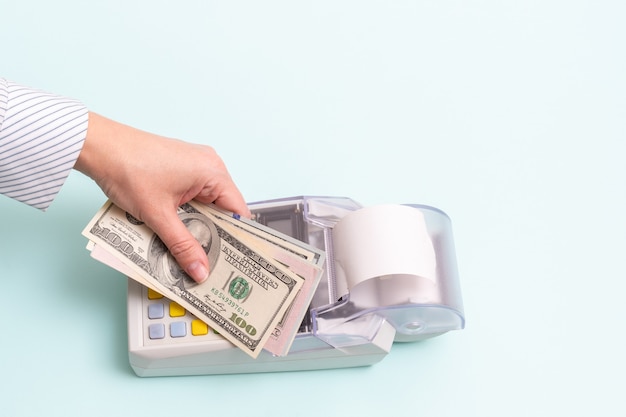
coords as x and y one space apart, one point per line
153 295
176 310
199 328
178 329
156 331
156 311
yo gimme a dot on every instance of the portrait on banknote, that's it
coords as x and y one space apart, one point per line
164 266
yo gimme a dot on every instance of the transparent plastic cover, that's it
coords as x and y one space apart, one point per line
386 263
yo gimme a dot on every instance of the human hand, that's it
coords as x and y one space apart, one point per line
149 176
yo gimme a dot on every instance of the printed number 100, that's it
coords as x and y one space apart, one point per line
248 328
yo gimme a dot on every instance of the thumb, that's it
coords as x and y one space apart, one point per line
182 245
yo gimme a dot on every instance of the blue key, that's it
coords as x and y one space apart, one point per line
156 331
156 311
178 329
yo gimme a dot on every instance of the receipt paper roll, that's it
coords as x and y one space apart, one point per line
382 241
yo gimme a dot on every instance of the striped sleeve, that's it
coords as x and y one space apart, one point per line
41 136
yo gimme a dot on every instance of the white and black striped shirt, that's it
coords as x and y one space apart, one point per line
41 135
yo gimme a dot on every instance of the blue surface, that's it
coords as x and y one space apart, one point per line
509 116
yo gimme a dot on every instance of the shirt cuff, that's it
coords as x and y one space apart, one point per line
41 136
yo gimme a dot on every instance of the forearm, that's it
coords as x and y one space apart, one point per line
41 136
110 149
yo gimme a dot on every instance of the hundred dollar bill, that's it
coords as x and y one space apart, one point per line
247 292
287 327
303 259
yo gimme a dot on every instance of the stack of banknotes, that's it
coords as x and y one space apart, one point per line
260 284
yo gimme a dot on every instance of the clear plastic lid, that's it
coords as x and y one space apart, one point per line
388 263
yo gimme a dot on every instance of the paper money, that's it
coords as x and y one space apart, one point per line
247 292
304 260
285 331
295 259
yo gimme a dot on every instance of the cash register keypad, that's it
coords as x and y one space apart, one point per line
168 322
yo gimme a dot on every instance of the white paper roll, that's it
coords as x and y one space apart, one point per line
381 241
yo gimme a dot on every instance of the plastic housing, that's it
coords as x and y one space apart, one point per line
417 307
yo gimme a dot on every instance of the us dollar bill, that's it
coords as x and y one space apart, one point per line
303 259
246 294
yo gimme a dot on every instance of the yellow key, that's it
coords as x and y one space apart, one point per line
176 310
199 328
153 295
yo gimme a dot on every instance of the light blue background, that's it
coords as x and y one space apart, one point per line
508 115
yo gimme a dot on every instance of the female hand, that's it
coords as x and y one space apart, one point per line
149 176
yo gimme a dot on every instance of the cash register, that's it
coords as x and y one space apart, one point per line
389 275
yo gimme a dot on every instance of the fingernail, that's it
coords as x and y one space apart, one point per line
198 272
